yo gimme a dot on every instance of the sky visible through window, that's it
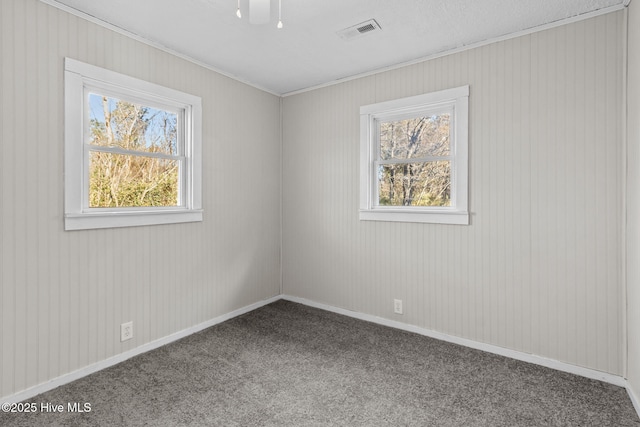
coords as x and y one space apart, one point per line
158 127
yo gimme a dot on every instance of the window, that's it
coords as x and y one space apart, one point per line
132 151
413 159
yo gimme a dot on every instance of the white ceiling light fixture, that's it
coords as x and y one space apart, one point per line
260 12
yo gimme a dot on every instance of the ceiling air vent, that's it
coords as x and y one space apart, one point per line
359 29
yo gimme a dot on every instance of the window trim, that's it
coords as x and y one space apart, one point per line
458 100
79 77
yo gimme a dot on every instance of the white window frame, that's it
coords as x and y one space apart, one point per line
455 101
80 79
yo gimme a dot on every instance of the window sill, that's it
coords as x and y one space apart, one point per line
86 221
419 216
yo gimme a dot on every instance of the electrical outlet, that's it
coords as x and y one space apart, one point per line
397 306
126 331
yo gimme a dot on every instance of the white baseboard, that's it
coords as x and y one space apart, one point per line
501 351
525 357
513 354
98 366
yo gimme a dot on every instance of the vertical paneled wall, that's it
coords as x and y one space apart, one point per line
63 295
539 269
633 198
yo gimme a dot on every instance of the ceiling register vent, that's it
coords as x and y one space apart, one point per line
359 30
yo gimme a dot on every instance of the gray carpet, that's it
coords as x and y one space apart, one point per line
290 365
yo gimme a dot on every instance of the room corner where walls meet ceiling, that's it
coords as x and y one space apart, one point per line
308 52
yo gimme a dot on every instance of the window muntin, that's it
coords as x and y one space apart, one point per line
414 159
132 151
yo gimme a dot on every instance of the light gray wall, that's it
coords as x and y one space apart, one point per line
539 270
63 295
633 199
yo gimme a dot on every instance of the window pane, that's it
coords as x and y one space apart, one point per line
415 184
117 123
117 180
415 138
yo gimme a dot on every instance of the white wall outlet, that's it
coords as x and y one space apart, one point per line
126 331
397 306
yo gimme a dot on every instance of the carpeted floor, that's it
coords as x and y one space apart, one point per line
286 364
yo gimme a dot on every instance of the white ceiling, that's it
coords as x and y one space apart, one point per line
307 52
